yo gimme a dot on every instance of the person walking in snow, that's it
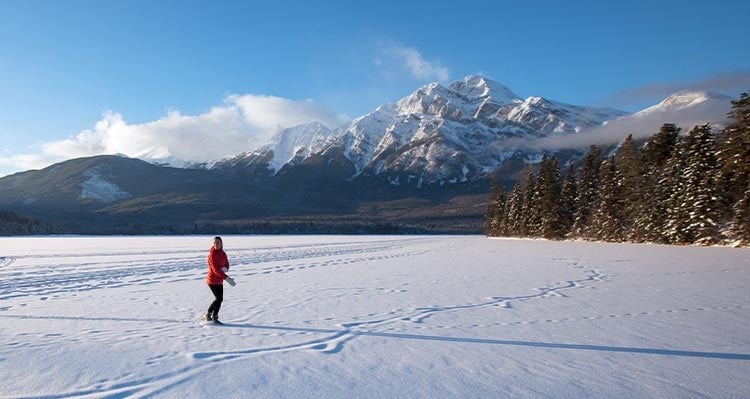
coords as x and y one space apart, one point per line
218 266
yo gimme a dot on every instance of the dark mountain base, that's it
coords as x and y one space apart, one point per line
114 195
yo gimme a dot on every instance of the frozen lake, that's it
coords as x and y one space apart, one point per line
373 317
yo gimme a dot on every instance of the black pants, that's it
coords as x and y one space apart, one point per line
213 310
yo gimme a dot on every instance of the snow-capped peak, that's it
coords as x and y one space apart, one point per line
684 99
297 141
462 99
285 146
476 86
705 103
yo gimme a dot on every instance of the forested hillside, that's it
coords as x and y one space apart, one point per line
675 189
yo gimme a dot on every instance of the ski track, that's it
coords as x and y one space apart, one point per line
47 280
335 339
6 261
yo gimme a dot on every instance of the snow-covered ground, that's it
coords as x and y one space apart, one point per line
373 317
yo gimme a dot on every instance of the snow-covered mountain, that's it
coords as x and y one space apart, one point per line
451 134
708 105
456 133
286 147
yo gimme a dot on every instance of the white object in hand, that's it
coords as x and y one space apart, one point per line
231 281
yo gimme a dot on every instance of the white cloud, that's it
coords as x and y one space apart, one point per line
18 162
266 112
241 124
413 61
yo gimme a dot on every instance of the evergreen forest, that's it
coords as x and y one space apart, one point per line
676 188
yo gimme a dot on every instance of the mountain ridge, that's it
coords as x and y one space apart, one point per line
425 161
438 134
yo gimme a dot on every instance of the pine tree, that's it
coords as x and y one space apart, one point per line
549 200
608 221
568 201
692 206
734 164
588 189
490 214
530 208
514 211
740 226
495 211
702 197
661 145
677 214
652 222
735 151
503 228
630 169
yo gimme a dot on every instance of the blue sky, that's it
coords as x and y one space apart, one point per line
74 72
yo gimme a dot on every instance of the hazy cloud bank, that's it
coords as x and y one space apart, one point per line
710 109
722 83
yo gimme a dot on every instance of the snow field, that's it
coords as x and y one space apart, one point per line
373 316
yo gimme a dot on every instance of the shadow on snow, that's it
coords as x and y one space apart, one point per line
464 340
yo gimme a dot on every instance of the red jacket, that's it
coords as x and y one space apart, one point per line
217 259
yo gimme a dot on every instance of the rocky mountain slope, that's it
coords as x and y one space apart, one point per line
437 135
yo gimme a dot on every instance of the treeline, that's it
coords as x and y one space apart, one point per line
675 189
15 224
301 227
